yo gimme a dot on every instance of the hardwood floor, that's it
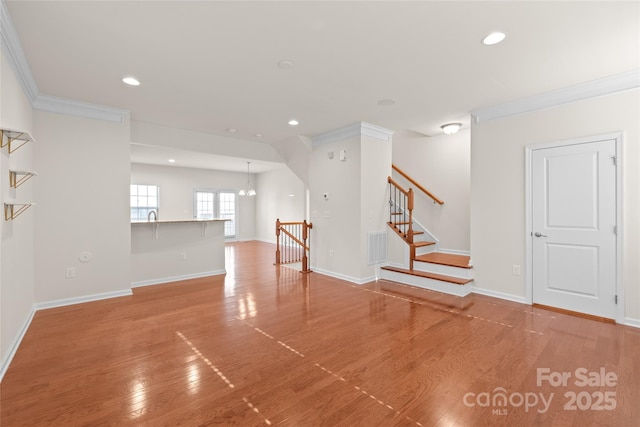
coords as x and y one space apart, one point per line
267 345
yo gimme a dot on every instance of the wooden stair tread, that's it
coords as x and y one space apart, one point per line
453 260
421 244
442 277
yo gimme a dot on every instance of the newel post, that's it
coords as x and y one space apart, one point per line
278 241
305 236
410 208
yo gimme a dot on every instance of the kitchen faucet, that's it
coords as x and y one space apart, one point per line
155 216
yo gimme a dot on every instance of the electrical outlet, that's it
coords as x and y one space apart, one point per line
515 270
70 272
183 255
331 253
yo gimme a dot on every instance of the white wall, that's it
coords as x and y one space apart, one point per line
17 244
336 221
176 192
441 164
164 136
375 167
83 197
281 194
498 185
357 202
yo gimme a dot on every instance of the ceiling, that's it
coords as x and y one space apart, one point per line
212 66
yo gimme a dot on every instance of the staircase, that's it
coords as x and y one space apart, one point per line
425 267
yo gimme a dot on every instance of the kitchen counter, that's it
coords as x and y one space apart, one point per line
172 250
173 221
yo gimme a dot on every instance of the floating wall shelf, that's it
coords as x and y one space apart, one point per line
12 137
13 209
17 178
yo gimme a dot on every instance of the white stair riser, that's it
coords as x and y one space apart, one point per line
426 283
447 270
426 249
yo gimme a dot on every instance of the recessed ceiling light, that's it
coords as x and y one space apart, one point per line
172 160
285 64
232 130
386 102
451 128
258 135
493 38
293 122
131 81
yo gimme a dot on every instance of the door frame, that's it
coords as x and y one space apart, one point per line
529 149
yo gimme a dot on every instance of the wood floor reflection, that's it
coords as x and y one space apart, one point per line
267 345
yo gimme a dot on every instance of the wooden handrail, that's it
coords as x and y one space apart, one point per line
292 237
398 186
420 187
406 203
300 237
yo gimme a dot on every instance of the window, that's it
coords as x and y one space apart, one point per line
227 210
144 199
204 204
210 204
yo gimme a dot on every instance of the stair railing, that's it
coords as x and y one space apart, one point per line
293 242
401 210
418 186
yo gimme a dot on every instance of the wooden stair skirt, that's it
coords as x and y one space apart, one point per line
435 271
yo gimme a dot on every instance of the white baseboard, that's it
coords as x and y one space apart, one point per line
272 241
83 299
500 295
6 361
162 280
343 277
632 322
454 252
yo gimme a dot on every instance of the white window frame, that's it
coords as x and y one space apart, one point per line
147 209
230 228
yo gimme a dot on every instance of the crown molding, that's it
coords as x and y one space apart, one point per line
605 86
356 129
373 131
12 50
70 107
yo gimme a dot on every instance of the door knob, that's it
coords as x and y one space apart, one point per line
538 234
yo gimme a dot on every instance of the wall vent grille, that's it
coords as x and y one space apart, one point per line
377 247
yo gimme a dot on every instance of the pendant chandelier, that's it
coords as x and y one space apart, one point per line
249 190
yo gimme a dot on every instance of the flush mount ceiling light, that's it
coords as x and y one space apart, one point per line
386 103
494 38
285 64
451 128
249 191
131 81
293 122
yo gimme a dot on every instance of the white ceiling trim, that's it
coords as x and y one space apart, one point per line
600 87
70 107
12 48
356 129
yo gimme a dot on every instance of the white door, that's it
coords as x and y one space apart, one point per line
573 227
